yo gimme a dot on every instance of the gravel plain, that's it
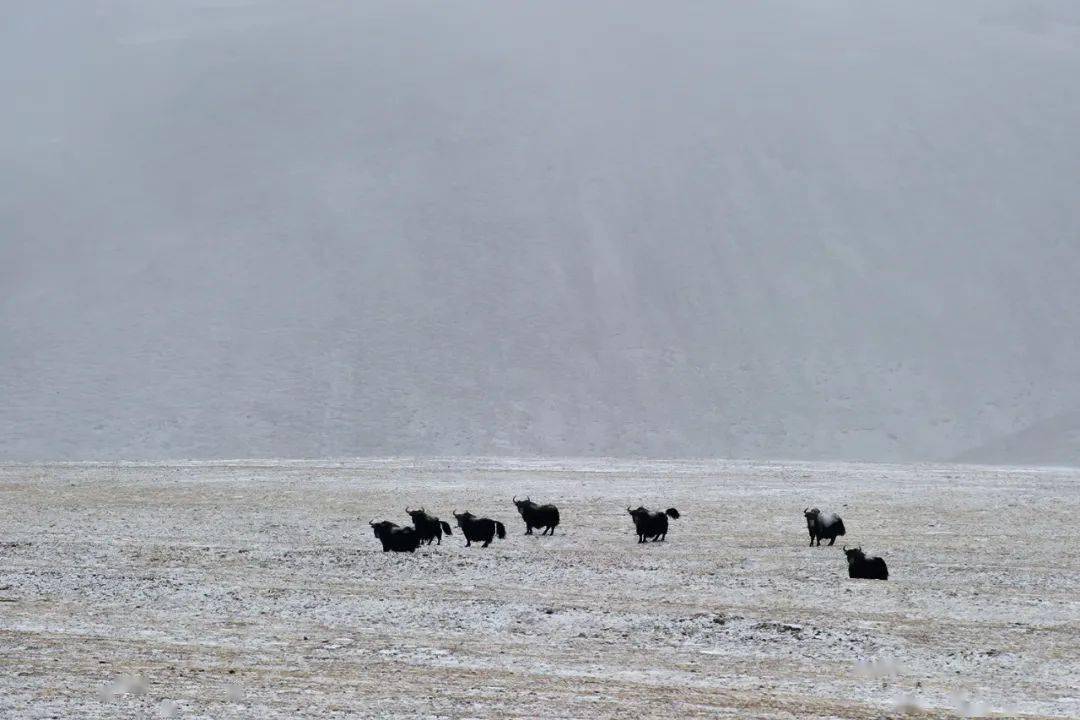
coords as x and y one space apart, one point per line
254 589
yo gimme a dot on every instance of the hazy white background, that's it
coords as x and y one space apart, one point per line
801 229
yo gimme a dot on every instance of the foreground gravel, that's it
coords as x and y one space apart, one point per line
255 589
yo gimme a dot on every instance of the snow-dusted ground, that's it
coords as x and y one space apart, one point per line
255 589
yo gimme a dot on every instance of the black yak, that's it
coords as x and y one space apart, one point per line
652 525
821 525
538 516
394 537
867 568
428 527
479 529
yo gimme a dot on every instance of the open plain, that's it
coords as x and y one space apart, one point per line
255 589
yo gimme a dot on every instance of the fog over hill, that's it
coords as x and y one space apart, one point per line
798 229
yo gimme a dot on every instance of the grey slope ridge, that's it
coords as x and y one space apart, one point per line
1054 441
726 229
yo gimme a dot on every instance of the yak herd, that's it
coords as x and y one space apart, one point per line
648 525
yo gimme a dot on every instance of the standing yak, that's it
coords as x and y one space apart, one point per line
538 516
479 529
867 568
823 525
428 527
652 525
394 537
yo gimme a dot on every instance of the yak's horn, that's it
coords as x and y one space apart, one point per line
406 509
805 510
515 498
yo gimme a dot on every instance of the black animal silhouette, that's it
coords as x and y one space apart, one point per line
652 525
394 537
427 526
823 526
867 568
479 529
538 516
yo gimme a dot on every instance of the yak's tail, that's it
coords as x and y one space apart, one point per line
840 527
500 529
672 513
445 527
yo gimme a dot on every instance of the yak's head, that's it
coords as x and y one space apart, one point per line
416 515
854 555
639 514
463 518
382 528
523 505
811 515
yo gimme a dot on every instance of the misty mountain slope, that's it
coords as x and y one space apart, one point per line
1053 441
786 230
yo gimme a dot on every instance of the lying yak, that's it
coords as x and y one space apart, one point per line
479 529
538 516
394 537
867 568
823 526
428 527
652 525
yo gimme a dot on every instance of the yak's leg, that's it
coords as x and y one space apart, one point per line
468 542
832 540
528 529
486 543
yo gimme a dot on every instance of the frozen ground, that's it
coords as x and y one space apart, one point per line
255 589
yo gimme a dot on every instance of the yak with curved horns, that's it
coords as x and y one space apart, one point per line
479 529
827 526
395 538
867 568
537 516
428 527
652 525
